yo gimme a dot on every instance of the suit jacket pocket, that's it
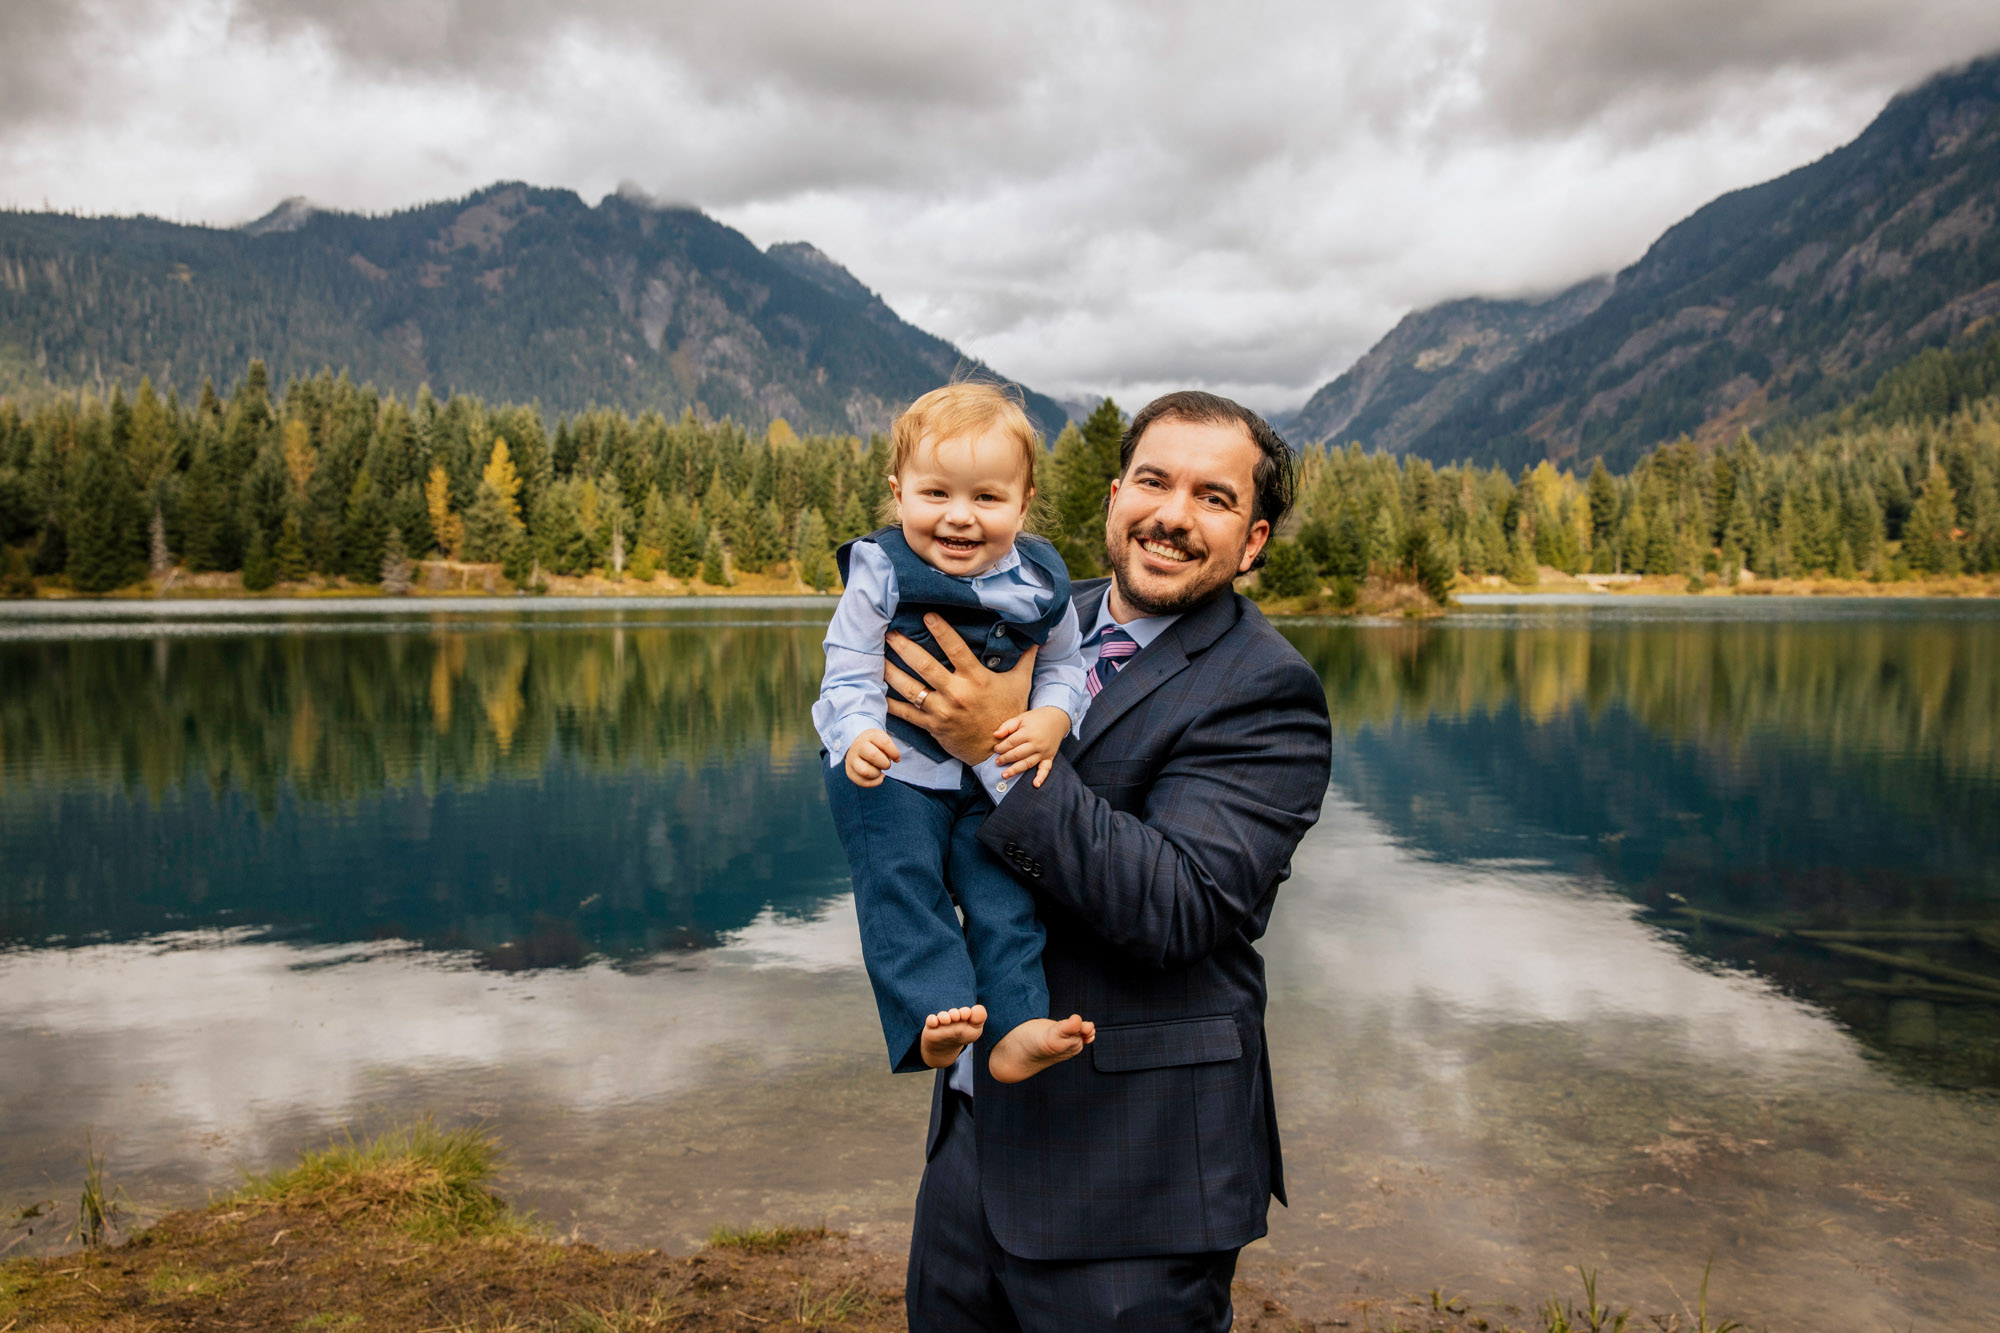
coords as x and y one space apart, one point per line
1181 1041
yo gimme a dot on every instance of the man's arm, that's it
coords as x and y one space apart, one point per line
1220 822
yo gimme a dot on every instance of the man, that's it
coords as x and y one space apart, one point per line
1114 1191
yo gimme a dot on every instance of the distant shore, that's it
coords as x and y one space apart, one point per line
1374 598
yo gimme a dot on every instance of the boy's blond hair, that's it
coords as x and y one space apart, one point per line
956 411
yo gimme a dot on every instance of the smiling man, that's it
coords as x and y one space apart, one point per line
1113 1192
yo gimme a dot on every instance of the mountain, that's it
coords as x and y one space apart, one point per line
1431 360
515 294
1771 303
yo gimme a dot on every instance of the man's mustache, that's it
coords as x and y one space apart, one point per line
1180 537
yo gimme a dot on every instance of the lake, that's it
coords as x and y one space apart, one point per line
1635 933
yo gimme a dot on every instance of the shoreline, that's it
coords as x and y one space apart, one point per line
404 1232
442 580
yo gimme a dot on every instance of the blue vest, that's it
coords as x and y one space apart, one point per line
920 589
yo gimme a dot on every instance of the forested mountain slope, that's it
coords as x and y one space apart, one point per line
1771 303
1431 360
514 293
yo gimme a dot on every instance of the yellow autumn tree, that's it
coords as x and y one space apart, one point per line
445 525
493 521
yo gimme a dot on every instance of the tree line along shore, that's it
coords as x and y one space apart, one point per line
332 486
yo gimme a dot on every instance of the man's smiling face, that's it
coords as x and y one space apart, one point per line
1179 527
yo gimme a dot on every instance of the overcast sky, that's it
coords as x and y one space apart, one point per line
1091 197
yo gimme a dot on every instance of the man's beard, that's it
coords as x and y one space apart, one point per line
1183 599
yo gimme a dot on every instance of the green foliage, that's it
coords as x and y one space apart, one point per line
714 566
315 478
1079 485
815 562
1288 571
98 1205
434 1183
260 570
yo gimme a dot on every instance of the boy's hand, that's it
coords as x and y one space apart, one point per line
1030 740
870 756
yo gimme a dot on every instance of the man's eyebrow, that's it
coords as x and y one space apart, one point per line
1220 487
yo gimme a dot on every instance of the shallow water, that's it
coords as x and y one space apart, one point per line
269 872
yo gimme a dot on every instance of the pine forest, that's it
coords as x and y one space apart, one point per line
330 481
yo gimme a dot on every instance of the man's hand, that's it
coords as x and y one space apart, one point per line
870 756
965 703
1031 741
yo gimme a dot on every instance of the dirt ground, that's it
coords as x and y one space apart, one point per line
250 1267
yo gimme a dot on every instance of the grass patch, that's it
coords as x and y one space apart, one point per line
431 1182
763 1240
173 1280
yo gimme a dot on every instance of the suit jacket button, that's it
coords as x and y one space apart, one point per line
1011 849
993 662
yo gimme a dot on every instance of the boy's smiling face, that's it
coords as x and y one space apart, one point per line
962 501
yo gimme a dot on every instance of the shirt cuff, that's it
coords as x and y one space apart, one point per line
988 772
840 734
1056 694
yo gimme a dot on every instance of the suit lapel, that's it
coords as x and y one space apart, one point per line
1155 664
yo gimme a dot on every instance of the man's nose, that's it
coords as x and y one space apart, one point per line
1175 510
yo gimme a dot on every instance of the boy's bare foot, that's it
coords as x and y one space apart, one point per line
1037 1044
948 1032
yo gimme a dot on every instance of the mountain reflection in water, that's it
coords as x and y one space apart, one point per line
541 791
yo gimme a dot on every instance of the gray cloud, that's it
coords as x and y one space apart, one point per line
1114 196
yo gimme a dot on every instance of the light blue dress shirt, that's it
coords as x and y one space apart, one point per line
853 696
1143 629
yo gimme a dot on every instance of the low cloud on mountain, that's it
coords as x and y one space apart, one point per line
1107 197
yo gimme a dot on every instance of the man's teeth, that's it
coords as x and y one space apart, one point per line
1165 552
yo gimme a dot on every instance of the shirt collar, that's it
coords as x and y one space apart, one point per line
1005 564
1143 630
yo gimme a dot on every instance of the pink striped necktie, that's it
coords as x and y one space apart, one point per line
1115 648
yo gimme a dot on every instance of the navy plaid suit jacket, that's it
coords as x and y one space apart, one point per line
1155 850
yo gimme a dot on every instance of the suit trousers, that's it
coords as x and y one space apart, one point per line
912 851
961 1280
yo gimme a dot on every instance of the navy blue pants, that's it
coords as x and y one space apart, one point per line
961 1280
912 851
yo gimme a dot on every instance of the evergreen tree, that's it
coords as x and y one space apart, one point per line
289 555
107 524
653 520
815 562
1928 546
260 572
367 532
1603 495
681 548
714 564
855 520
1288 571
761 543
493 522
1080 477
15 581
1521 569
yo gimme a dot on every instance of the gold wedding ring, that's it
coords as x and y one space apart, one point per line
922 694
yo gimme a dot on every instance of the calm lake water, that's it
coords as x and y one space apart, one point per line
269 871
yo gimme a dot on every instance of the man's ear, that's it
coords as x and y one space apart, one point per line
1260 532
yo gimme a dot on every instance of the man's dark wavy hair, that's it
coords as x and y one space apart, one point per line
1276 476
